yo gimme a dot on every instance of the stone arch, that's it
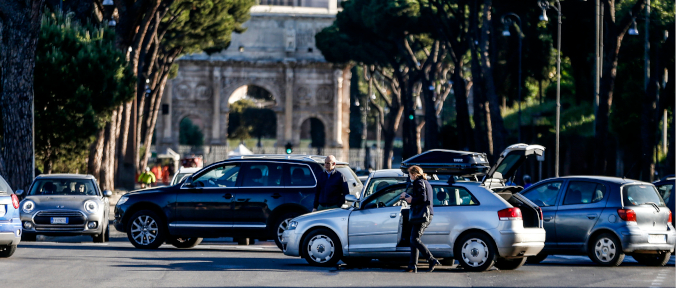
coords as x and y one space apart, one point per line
322 118
229 89
202 123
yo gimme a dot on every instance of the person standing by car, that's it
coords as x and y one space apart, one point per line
331 187
421 196
147 178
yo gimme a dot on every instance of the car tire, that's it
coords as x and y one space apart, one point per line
448 263
280 225
606 250
155 230
356 261
29 237
321 247
7 251
183 242
103 237
476 252
660 259
510 264
536 259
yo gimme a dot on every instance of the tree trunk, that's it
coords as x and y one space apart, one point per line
410 142
107 180
462 109
19 28
96 155
150 126
481 138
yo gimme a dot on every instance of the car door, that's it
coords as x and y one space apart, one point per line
546 196
578 212
376 225
261 189
204 205
300 185
453 206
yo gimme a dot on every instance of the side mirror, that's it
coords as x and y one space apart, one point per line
19 192
351 198
107 193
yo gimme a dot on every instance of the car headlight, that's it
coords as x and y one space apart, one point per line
28 206
91 206
122 200
292 225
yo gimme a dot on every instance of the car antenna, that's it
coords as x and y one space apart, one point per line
632 168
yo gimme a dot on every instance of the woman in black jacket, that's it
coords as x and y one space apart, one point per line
421 196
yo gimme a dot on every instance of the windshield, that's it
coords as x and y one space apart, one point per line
73 187
376 184
179 177
634 195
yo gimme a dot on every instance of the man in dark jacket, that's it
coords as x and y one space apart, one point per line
331 187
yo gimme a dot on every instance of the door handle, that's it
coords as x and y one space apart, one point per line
591 216
393 215
227 196
276 195
242 199
548 218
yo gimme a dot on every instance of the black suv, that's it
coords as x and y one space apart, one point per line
243 197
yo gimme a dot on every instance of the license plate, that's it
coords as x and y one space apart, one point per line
59 220
3 210
657 239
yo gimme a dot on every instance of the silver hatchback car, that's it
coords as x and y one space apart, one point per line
479 224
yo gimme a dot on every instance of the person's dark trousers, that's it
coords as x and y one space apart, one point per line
417 231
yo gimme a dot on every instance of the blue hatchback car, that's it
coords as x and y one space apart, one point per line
604 218
10 223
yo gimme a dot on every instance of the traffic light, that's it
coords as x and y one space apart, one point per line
289 148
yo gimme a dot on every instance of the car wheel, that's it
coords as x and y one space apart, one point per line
107 234
536 259
660 259
183 242
605 250
356 261
30 237
448 263
321 247
281 224
510 264
6 251
146 230
102 238
475 252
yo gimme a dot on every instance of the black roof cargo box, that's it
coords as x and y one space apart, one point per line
451 162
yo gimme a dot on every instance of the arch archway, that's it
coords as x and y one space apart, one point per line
251 114
190 131
314 130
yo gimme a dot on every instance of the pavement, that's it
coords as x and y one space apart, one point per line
77 262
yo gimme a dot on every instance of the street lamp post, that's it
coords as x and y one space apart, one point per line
507 22
544 5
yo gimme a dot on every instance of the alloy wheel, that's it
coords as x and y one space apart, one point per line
474 252
605 249
282 227
144 230
321 248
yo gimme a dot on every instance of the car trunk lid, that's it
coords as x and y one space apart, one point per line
651 212
510 160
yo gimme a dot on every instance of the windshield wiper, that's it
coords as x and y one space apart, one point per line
654 205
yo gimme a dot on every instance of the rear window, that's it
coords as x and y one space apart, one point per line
348 173
634 195
665 191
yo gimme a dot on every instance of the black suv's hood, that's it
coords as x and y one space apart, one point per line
149 191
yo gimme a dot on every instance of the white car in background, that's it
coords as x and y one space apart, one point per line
182 173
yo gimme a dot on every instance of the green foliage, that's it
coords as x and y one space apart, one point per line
204 25
189 133
80 78
245 120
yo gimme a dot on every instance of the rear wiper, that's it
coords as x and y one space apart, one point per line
654 205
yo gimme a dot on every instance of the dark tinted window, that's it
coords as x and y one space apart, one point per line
641 194
453 196
262 175
219 176
300 175
584 193
544 194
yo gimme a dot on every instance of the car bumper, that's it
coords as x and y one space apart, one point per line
518 243
637 241
291 243
10 232
73 228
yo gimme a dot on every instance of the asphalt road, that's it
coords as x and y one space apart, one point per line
77 262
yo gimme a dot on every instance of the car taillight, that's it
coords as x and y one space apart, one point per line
510 214
542 215
15 201
670 219
627 214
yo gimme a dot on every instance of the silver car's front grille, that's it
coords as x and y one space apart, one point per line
59 213
61 227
